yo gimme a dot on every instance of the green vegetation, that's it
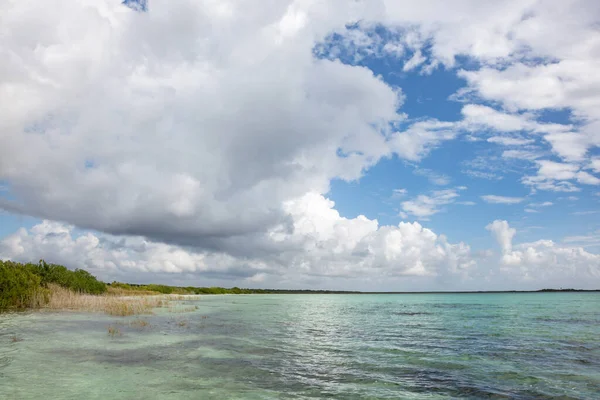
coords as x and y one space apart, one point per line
160 288
131 288
37 285
56 287
26 285
79 281
19 287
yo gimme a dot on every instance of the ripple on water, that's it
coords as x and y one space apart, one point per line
314 346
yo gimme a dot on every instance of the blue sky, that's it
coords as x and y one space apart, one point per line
211 143
430 96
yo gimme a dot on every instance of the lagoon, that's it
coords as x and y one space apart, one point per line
369 346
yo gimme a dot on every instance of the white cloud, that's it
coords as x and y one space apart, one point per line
587 178
542 184
494 199
569 145
588 212
434 177
543 204
521 154
556 177
477 116
184 123
584 240
321 244
503 234
562 84
551 85
556 171
595 165
545 262
567 79
424 206
421 137
482 174
509 141
416 60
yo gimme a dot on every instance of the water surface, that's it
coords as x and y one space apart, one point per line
422 346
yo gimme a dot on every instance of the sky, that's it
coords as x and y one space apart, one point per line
365 145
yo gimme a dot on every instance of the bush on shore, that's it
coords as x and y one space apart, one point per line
26 285
79 280
19 287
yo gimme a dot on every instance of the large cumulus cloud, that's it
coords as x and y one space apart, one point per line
321 246
325 250
188 122
545 262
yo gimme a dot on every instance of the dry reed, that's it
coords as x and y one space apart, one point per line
112 331
39 298
179 309
139 323
65 299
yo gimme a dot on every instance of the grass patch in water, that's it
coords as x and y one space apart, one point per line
112 331
176 309
64 299
139 323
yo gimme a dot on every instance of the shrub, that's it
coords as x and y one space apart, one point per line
159 288
121 285
79 280
19 287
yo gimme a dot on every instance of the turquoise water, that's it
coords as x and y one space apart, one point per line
425 346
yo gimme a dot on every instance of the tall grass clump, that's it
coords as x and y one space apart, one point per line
112 331
54 287
66 299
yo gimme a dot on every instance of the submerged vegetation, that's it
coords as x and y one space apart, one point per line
112 331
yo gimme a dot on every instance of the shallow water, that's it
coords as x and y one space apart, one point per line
422 346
